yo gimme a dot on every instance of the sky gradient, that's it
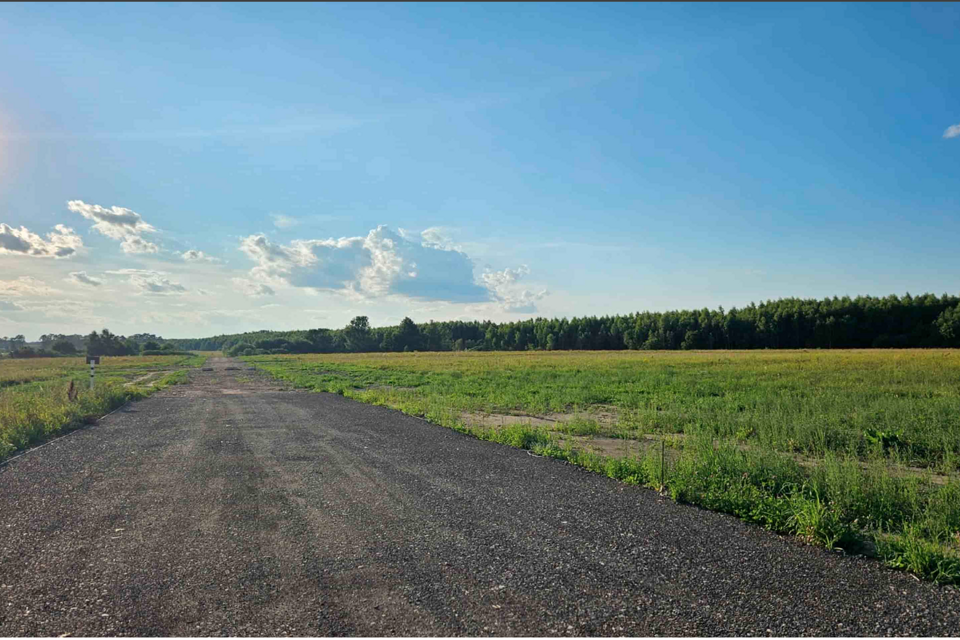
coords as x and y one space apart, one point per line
188 170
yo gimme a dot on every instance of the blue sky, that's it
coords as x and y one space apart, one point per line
196 169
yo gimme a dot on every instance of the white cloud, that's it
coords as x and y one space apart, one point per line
438 238
952 132
197 256
496 280
136 244
523 302
502 284
25 286
249 288
60 243
118 223
428 266
72 309
281 221
152 282
9 306
81 277
378 264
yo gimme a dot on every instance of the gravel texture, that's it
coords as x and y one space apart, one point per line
229 506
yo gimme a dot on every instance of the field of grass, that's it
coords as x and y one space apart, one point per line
857 450
34 402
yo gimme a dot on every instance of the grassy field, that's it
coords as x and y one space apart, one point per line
34 402
857 450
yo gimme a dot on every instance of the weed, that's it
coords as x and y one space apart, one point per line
817 523
580 427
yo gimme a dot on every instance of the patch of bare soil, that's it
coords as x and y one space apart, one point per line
605 415
142 379
622 448
477 419
616 447
223 376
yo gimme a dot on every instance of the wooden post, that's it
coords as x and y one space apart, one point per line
662 466
93 361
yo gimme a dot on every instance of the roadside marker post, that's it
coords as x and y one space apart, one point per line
93 361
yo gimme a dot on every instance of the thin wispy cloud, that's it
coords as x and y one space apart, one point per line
324 125
10 306
952 131
249 288
152 282
194 255
25 286
281 221
81 277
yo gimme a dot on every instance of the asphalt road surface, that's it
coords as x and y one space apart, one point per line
229 506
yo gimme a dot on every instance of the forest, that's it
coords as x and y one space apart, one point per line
924 321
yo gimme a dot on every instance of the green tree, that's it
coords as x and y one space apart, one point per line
948 323
357 334
64 347
408 335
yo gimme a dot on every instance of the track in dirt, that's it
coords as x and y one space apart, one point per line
229 506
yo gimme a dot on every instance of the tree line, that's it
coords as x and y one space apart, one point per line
790 323
103 343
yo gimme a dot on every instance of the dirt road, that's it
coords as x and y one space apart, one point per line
230 507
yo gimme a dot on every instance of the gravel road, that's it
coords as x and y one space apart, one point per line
229 506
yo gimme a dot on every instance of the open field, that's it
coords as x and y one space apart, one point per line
34 403
232 505
849 449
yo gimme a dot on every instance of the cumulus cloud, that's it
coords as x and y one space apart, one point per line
503 287
428 266
25 286
378 264
81 277
197 256
152 282
438 238
60 243
9 306
952 132
118 223
253 288
136 244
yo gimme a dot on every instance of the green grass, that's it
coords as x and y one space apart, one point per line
855 450
34 402
799 402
